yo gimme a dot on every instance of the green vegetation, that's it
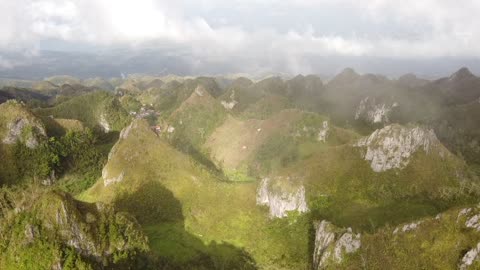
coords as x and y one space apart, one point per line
77 154
437 243
130 104
90 108
184 195
67 233
181 204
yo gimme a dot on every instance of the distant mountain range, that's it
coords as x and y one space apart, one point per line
158 62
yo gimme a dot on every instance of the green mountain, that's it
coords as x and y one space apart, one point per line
360 172
54 231
98 109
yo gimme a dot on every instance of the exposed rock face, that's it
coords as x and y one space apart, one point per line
230 104
25 131
126 131
331 244
464 211
408 227
200 91
71 226
473 222
391 147
279 199
374 112
324 237
104 123
111 180
96 233
348 243
323 133
470 217
469 258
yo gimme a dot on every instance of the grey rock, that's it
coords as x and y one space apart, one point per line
281 201
331 244
392 146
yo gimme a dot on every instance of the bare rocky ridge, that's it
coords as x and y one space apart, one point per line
392 146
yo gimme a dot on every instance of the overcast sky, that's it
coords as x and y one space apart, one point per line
270 31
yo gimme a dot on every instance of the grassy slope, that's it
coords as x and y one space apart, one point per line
435 244
197 208
194 120
88 108
340 184
55 221
342 187
258 147
9 112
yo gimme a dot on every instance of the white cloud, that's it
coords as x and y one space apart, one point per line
441 27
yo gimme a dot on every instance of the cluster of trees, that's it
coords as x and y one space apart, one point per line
74 152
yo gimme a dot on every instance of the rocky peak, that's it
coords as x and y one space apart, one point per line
461 74
392 146
19 125
346 76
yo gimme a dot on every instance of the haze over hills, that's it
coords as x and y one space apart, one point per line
239 135
113 63
151 172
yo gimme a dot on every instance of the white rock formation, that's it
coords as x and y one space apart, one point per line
199 91
374 112
230 104
473 222
332 244
111 180
280 200
392 146
324 237
348 243
104 123
16 132
469 258
464 212
323 133
408 227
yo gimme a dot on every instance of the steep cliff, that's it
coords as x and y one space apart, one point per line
51 230
391 147
332 244
281 198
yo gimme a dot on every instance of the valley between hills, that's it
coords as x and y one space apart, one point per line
359 171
